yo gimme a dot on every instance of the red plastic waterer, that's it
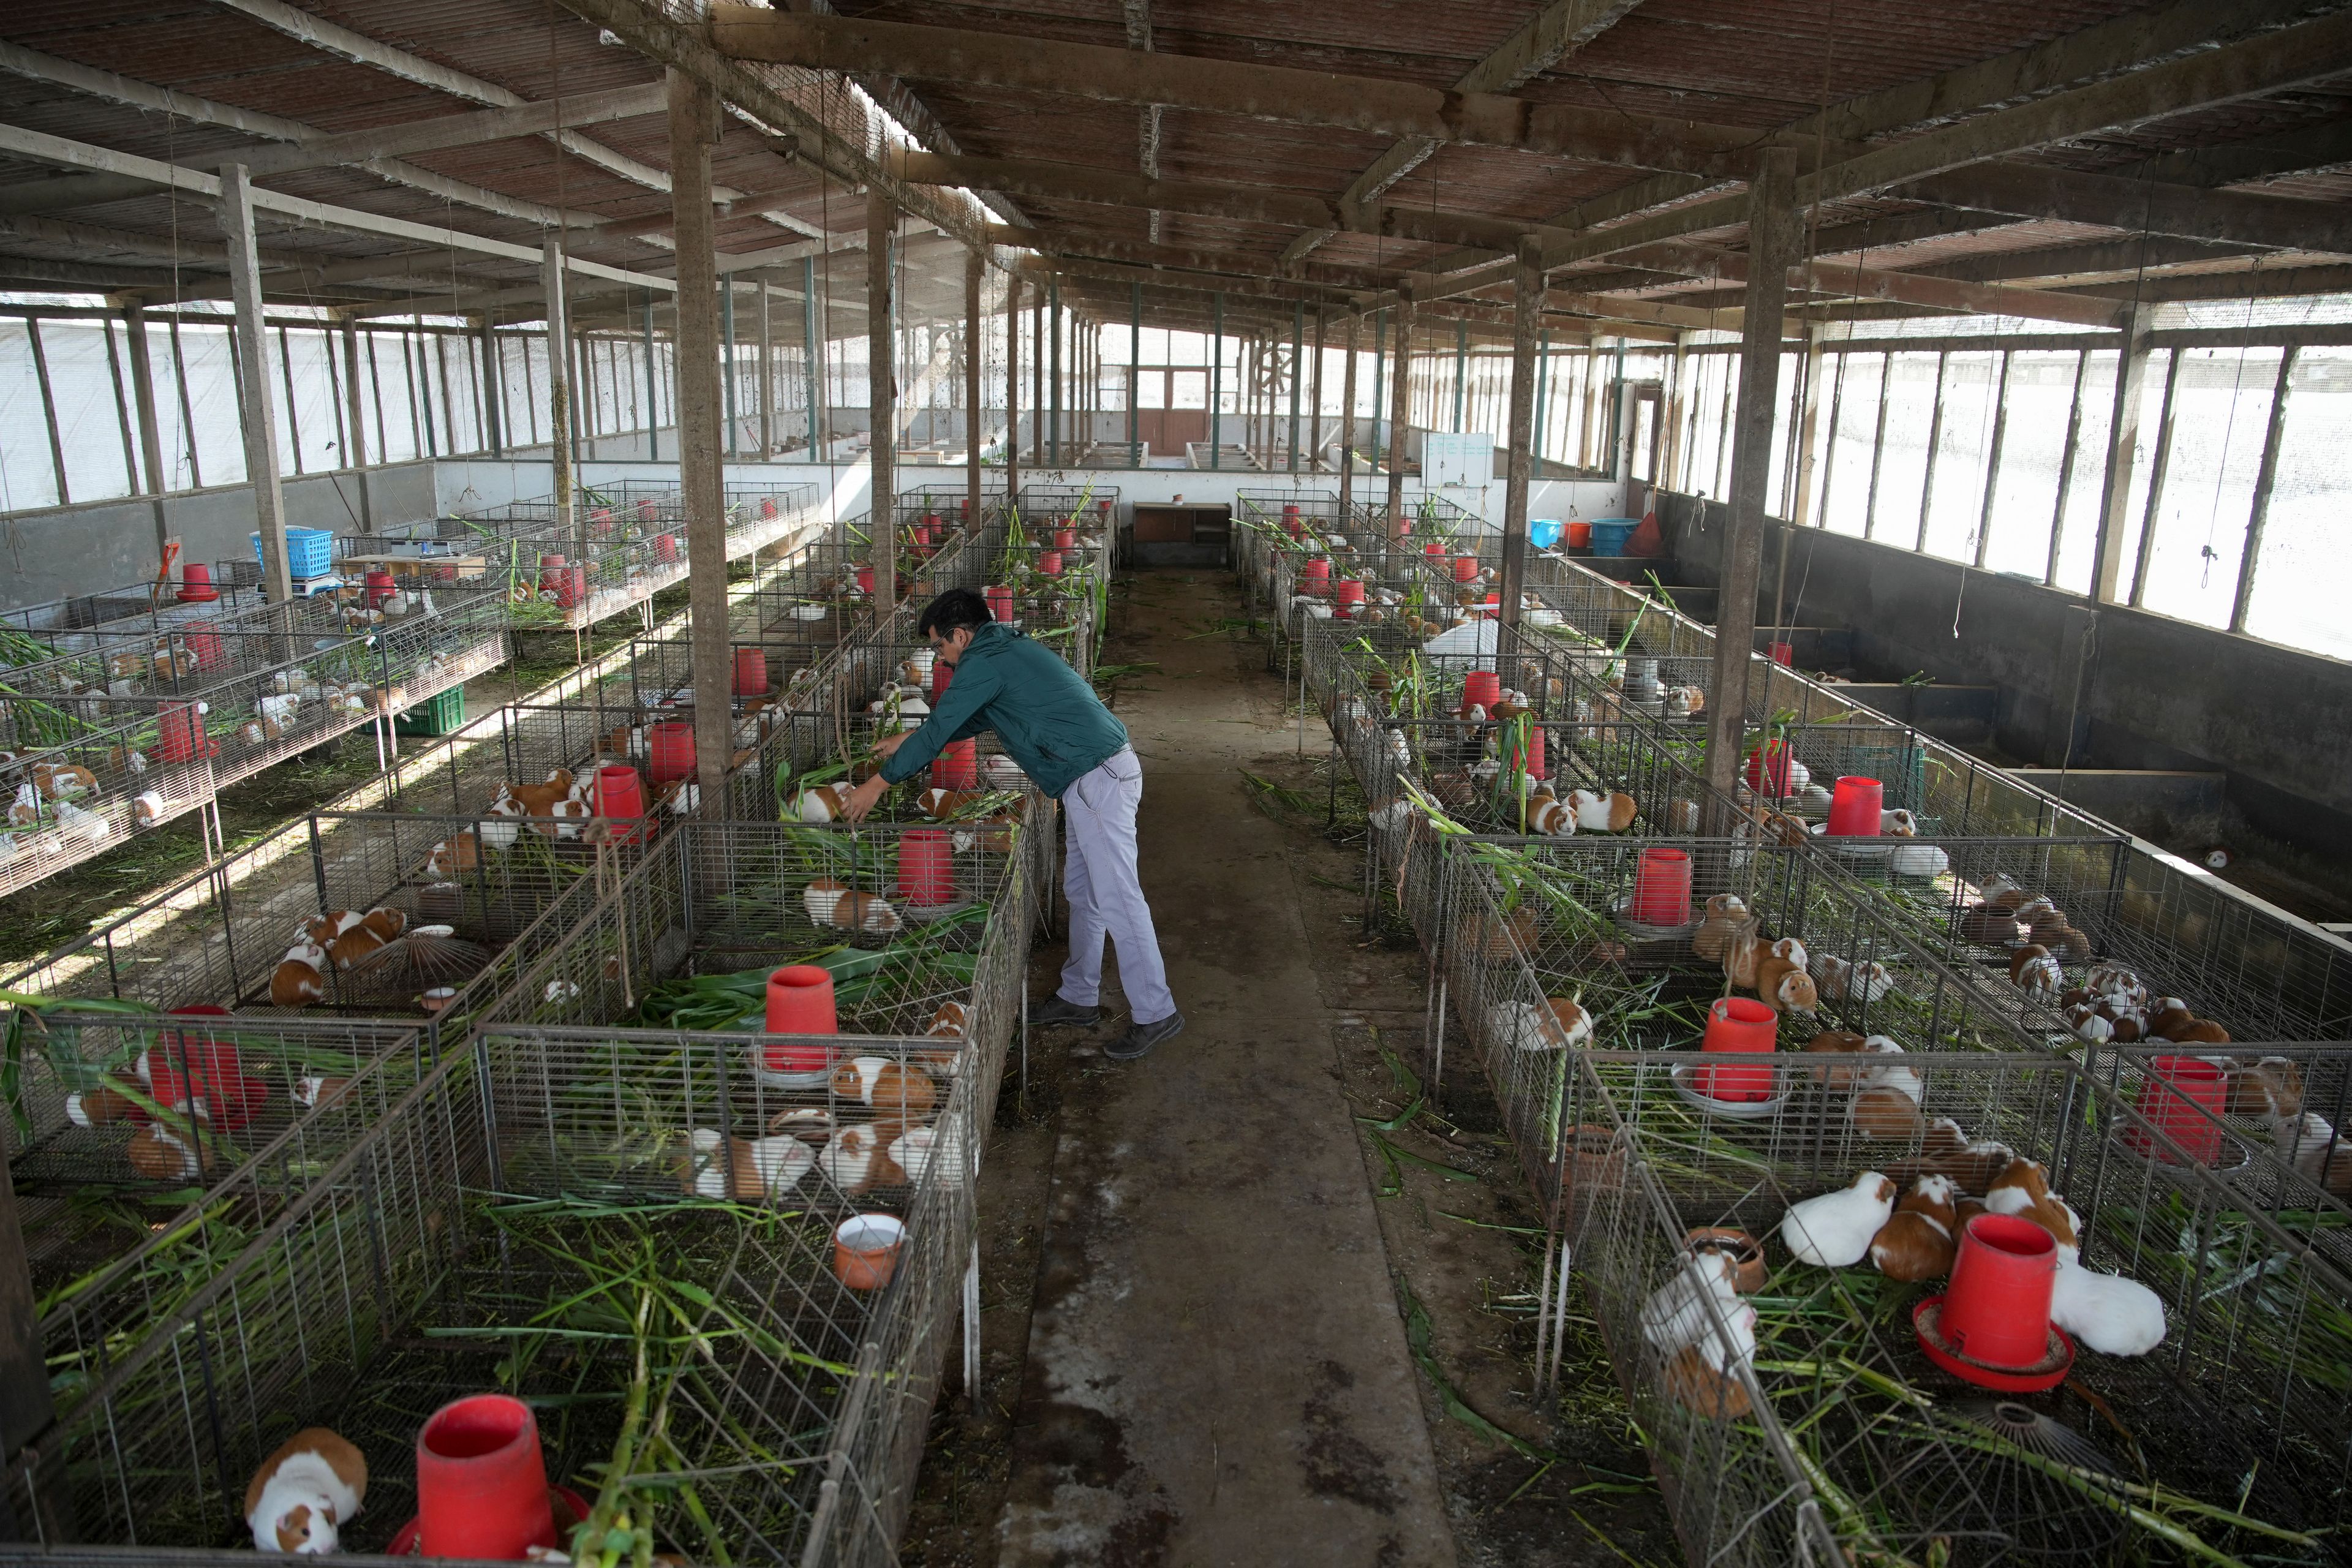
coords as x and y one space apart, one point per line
1314 575
646 511
1290 522
1737 1025
1465 568
621 797
1854 808
1768 769
666 548
669 751
1662 889
1482 686
204 645
800 1002
751 672
1529 759
2183 1097
943 676
1349 598
196 585
927 867
999 601
1991 1326
956 766
1065 539
1049 563
481 1481
379 587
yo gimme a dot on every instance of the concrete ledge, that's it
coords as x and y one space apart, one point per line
2153 803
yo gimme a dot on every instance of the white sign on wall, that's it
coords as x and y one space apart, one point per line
1451 459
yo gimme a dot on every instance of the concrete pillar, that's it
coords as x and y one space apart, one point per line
493 414
1297 354
975 275
253 381
1134 376
150 430
653 387
812 356
1772 232
1347 423
1055 384
693 128
1314 413
767 374
559 381
1800 511
1400 414
2122 442
882 399
1037 377
1526 307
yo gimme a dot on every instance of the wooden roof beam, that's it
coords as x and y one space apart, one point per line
1119 75
537 118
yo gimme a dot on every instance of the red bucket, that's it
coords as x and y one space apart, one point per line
1784 654
379 587
800 1002
204 645
1580 534
666 548
1767 771
751 672
1000 603
1737 1025
1662 889
1065 539
1314 576
767 508
620 795
1350 597
196 585
481 1481
646 511
1482 686
956 766
1997 1308
942 672
2184 1096
180 734
1049 563
1530 759
1433 547
1855 807
670 752
927 866
1465 568
866 579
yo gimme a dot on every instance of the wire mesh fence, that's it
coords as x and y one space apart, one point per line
69 802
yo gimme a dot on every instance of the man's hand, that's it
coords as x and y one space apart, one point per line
862 799
887 745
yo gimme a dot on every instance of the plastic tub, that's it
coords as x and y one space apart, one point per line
310 552
1610 534
1543 533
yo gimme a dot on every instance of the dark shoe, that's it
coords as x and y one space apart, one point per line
1053 1011
1143 1037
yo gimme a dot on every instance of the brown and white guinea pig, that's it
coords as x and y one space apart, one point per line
301 977
938 805
1885 1104
2272 1087
1785 987
903 1093
304 1492
948 1022
858 1159
2030 968
1919 1240
1598 813
1727 917
824 802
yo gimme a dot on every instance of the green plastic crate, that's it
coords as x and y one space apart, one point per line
442 715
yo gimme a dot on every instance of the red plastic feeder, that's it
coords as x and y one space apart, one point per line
196 585
204 645
2184 1097
866 579
1992 1326
620 795
1529 759
1737 1026
571 588
1768 769
601 521
1662 889
666 548
956 766
1314 575
549 568
1049 563
379 587
1290 521
927 866
180 734
1784 652
1350 597
1854 808
942 673
1435 547
646 511
751 672
670 752
1065 539
1482 686
800 1002
1465 568
1000 602
481 1481
767 508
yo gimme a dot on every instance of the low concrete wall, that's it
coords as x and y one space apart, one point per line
2154 692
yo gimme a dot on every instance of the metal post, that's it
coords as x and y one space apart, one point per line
260 418
1543 391
559 381
1878 448
767 372
1012 390
1993 457
2066 468
652 386
48 406
1037 375
2161 462
1399 414
1315 397
1216 377
811 357
1526 304
142 394
2263 480
1298 352
1934 439
1348 423
1461 368
1380 363
976 277
693 129
2123 443
1134 372
493 416
1772 230
882 399
1054 376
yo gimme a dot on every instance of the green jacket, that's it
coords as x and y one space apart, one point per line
1048 719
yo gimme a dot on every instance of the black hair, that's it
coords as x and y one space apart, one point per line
953 611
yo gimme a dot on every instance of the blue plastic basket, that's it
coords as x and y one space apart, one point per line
310 552
1610 534
1543 533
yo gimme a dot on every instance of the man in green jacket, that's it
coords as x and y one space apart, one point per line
1051 722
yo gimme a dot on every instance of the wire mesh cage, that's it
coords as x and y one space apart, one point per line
72 801
726 1387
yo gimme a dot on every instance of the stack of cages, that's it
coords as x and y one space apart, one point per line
80 622
1049 575
821 596
931 515
638 1048
76 788
1802 1418
1267 525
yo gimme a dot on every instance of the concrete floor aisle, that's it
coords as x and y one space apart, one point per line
1216 1372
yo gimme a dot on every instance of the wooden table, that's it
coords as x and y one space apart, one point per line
465 566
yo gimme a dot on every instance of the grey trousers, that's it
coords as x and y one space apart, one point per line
1106 894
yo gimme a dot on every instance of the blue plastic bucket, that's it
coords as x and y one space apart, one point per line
1543 533
1610 534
